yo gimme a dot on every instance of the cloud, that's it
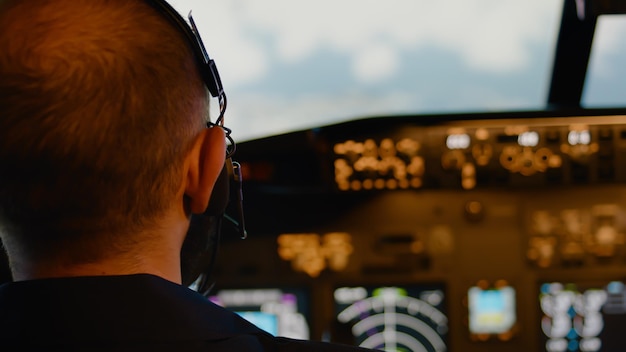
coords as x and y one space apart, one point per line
607 45
239 57
490 35
375 62
484 39
254 115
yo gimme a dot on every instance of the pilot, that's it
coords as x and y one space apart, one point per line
107 156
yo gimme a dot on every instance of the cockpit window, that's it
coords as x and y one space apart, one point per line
605 84
293 65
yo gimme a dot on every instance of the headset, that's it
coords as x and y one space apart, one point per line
202 240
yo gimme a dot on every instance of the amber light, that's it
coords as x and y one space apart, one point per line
312 253
261 171
378 165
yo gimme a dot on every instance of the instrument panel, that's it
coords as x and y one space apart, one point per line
463 233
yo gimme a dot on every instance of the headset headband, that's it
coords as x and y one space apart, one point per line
206 65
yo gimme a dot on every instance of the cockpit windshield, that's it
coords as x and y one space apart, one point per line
293 64
605 84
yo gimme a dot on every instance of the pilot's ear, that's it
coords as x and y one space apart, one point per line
204 164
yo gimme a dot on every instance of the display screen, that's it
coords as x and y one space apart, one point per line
263 320
491 310
280 312
392 318
585 317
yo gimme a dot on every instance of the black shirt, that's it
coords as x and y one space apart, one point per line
128 313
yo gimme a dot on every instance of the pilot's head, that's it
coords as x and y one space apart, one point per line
104 149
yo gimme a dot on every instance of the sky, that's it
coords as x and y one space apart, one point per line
290 64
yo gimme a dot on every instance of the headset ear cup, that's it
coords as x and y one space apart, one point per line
200 246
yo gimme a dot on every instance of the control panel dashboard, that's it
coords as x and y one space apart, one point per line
459 233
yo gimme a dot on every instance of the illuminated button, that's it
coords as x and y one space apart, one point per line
468 182
526 162
387 148
458 141
528 139
416 182
508 158
454 159
482 134
408 146
482 153
579 137
542 157
474 211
